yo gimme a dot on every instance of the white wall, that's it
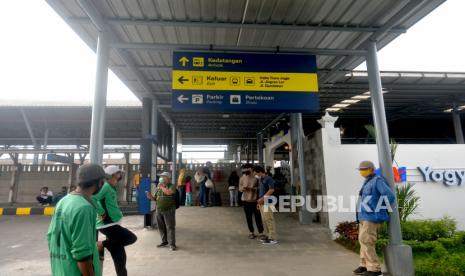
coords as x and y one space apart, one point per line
437 199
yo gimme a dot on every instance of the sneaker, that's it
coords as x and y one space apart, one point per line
252 236
237 205
268 241
202 206
262 237
163 244
372 273
360 270
173 247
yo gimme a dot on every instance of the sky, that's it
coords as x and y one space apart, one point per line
43 59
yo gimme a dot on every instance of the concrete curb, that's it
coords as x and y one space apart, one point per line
26 211
46 211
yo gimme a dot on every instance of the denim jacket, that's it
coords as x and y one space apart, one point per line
370 194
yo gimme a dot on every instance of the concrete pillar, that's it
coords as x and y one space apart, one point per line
72 175
155 135
128 179
399 258
45 145
145 163
174 142
252 153
305 217
13 192
97 129
457 126
260 148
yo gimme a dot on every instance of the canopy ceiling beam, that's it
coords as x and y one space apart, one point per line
223 48
231 25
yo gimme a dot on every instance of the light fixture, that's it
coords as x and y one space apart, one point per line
360 97
225 116
340 105
350 101
331 109
223 128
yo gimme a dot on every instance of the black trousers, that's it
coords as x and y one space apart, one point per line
47 200
182 195
250 209
117 238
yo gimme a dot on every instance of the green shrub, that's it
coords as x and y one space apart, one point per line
424 230
449 264
428 230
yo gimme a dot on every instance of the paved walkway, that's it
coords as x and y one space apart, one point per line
213 241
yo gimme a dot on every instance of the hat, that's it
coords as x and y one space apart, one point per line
366 165
111 170
167 174
90 172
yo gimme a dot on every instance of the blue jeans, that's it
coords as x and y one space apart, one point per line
182 195
188 199
203 195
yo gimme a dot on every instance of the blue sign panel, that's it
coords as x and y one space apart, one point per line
59 158
226 82
143 203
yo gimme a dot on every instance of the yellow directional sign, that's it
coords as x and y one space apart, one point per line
183 61
245 81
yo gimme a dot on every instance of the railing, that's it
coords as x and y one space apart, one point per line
133 167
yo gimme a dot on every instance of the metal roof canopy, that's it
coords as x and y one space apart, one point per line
144 34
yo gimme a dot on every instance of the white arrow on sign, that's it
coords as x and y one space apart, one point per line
181 99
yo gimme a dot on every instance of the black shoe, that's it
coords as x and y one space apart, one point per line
360 270
173 247
252 236
262 237
372 273
163 244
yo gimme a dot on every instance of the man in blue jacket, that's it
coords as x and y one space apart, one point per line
375 199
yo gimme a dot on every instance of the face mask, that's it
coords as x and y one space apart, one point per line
365 173
161 180
257 177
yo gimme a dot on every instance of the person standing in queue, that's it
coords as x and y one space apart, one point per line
248 185
166 210
182 186
71 236
201 178
109 221
267 186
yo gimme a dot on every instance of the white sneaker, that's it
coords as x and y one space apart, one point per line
268 241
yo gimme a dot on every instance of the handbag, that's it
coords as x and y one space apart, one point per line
209 183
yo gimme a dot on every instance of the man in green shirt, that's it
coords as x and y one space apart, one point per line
109 220
71 236
166 210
